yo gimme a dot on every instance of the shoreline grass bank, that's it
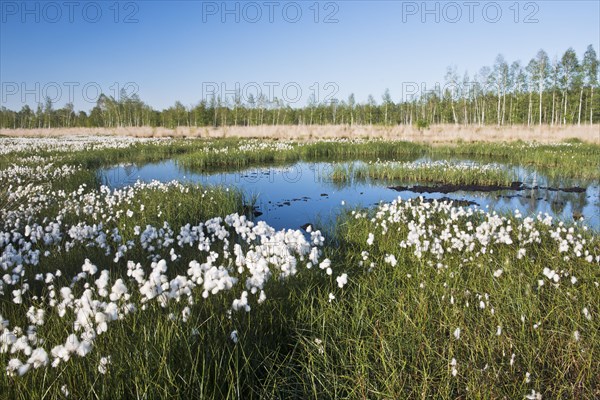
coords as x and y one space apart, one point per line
433 134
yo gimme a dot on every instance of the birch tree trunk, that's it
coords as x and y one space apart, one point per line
529 110
541 90
591 104
580 100
565 113
553 98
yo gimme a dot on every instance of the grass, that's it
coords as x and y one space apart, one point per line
232 153
570 159
442 173
389 333
573 160
576 160
435 134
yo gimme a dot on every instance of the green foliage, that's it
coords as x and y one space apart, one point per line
422 124
441 173
569 95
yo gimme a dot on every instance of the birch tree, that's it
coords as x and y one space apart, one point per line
570 66
542 64
590 73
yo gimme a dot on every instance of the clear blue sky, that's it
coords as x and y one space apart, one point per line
183 50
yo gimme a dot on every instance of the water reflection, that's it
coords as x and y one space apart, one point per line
288 196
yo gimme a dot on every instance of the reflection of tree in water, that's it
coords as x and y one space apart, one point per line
559 200
122 175
555 199
528 201
579 202
130 171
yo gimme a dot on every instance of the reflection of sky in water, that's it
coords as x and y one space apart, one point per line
302 193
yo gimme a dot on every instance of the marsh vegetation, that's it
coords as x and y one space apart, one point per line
173 289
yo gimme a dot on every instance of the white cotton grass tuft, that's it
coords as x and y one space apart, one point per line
89 268
456 333
391 259
319 344
534 395
586 314
370 239
453 365
39 358
14 366
342 280
185 314
266 253
325 264
103 364
17 296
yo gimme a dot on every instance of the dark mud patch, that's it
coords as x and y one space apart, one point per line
519 196
254 211
305 226
305 198
566 190
450 188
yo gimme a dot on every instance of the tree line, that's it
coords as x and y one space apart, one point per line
560 91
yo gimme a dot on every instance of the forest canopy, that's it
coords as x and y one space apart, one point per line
560 91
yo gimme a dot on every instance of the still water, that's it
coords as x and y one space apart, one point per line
294 195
